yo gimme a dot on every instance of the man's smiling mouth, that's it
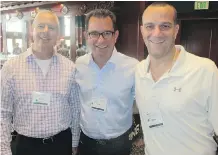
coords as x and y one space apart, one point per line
156 42
101 47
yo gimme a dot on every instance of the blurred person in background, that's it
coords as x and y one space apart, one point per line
17 50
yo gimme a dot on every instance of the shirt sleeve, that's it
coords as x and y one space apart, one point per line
6 109
213 99
76 106
134 72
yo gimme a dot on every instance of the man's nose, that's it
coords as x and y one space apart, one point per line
45 28
156 31
101 38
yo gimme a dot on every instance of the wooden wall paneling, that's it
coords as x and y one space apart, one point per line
196 37
178 41
130 41
142 54
201 37
214 43
73 39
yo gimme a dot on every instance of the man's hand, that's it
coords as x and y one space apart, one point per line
74 150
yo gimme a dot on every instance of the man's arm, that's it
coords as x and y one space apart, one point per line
6 109
213 100
76 106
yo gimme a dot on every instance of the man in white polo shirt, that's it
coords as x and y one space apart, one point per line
176 91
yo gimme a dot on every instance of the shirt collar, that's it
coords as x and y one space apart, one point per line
113 58
29 56
179 68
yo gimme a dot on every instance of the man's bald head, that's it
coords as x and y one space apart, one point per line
162 4
45 14
159 29
45 33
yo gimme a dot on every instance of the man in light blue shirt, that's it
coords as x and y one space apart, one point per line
106 79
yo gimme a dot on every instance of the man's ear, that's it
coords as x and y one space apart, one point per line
85 34
116 34
142 30
176 30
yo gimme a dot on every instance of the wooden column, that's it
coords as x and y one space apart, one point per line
130 41
1 39
73 39
24 35
4 35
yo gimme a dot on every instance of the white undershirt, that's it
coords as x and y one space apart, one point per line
44 65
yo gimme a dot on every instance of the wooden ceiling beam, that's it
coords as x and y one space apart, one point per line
25 5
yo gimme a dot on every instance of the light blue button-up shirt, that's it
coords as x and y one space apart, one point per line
115 83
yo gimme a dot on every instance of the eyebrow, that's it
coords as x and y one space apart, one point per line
149 23
101 31
46 24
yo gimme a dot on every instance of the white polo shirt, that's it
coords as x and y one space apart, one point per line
185 101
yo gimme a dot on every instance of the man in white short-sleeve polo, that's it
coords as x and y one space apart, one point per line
176 91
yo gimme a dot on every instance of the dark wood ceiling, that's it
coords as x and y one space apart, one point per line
14 3
10 5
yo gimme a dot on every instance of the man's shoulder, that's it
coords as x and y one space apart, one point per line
200 62
83 59
141 64
65 60
12 63
14 60
140 67
127 58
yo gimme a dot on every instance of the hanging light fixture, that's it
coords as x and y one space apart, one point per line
19 14
64 9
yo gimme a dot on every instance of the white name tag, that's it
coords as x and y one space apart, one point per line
39 98
154 119
99 104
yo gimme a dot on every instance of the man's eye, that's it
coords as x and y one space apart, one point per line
149 27
41 26
164 27
94 33
107 33
51 28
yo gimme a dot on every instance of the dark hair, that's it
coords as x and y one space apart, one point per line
101 13
164 4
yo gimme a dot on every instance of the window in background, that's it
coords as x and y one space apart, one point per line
10 45
20 42
67 42
67 26
14 26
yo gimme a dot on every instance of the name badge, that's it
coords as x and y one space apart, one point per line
154 119
99 104
39 98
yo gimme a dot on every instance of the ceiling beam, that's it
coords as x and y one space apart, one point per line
21 6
